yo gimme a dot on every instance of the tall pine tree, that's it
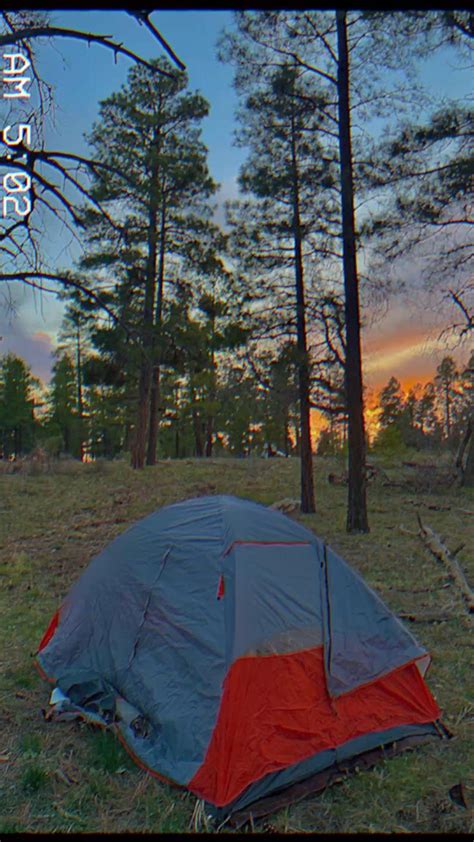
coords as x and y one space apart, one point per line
156 188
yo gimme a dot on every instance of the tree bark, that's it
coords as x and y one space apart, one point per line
306 456
17 442
80 403
448 411
286 438
176 443
463 446
127 436
146 366
212 397
468 474
357 503
198 442
67 438
209 436
155 383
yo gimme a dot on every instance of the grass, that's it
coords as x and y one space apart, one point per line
107 753
70 777
33 778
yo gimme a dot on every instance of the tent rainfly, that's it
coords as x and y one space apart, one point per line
234 653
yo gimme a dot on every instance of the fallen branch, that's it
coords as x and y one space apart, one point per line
440 551
418 590
425 617
287 506
406 531
89 523
434 506
420 466
439 508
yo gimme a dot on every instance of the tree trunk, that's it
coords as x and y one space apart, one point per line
127 436
153 420
146 366
155 384
17 442
212 396
80 404
286 438
306 457
468 474
448 411
138 451
297 440
357 503
198 442
176 440
67 439
209 436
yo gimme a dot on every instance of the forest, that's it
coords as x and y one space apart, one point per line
212 346
79 418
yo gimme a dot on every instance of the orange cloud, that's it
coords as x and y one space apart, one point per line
404 346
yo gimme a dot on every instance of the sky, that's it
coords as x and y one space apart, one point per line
405 342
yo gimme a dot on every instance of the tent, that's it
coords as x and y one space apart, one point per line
235 653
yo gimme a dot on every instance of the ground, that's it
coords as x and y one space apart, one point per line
70 777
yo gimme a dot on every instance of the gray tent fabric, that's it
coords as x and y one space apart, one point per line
275 588
144 624
363 640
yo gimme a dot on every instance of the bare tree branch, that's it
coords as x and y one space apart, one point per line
144 17
27 33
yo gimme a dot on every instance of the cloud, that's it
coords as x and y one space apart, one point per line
29 329
407 344
36 350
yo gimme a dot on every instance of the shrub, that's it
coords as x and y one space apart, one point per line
389 441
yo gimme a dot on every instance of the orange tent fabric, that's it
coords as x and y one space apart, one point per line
276 711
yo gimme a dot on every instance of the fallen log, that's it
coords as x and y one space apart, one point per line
439 550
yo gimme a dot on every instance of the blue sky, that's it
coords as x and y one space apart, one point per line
193 36
82 75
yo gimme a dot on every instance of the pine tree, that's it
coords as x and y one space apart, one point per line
63 414
446 381
157 187
240 417
276 233
425 414
327 47
391 403
17 418
467 441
